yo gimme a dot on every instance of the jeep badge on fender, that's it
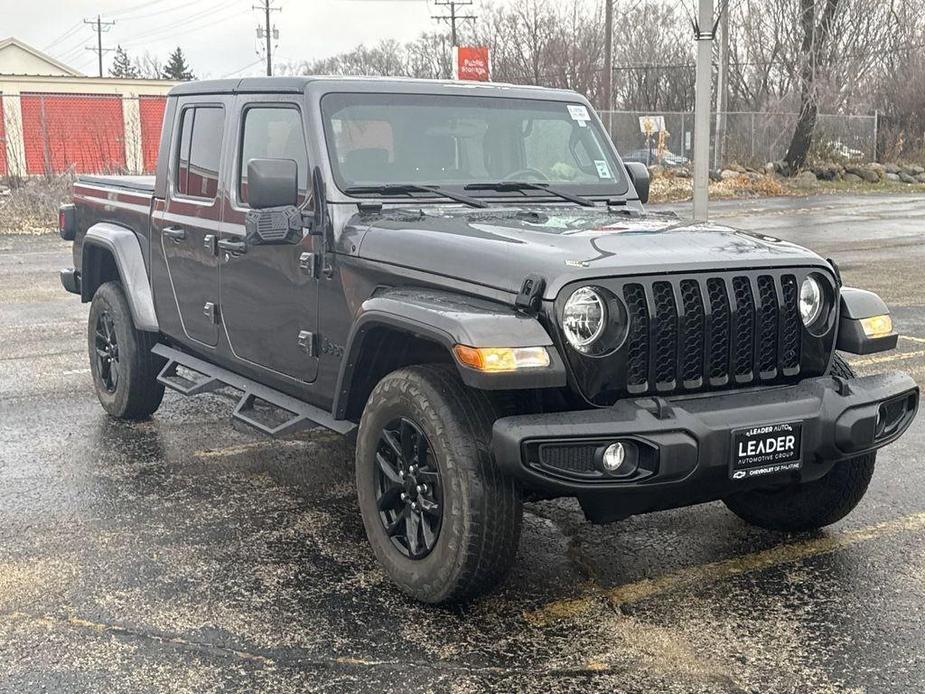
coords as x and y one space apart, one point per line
463 278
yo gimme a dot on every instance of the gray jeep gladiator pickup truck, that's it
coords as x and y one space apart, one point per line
463 278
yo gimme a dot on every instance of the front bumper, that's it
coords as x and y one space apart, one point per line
687 440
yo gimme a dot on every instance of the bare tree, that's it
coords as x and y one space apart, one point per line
148 66
785 56
812 49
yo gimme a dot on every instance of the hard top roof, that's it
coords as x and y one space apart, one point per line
259 85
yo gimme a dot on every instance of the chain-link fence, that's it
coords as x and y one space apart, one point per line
49 133
747 138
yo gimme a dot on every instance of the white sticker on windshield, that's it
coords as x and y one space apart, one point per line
579 113
603 170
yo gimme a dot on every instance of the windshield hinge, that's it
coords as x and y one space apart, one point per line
530 295
369 207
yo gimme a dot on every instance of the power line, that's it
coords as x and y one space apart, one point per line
66 34
242 69
452 17
101 26
140 6
271 34
156 13
186 25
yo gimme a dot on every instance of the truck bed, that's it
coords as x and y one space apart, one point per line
141 184
122 200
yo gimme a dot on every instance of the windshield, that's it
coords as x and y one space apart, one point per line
455 141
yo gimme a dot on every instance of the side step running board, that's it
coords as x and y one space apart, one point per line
301 414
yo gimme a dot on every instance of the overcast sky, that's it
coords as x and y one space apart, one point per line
218 36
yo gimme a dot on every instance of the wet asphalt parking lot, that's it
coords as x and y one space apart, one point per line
186 554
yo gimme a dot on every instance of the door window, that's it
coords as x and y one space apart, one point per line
273 133
200 148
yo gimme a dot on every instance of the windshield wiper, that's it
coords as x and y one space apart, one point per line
502 186
408 188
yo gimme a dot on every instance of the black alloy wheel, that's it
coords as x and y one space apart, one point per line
107 352
409 494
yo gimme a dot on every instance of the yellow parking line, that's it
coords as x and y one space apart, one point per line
249 448
887 358
912 339
319 436
701 574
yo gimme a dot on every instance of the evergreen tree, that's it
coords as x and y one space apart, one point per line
122 66
177 67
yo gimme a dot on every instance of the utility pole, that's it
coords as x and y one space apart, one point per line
266 31
452 17
608 63
703 35
722 87
99 27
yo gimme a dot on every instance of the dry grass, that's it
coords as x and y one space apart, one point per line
31 205
669 188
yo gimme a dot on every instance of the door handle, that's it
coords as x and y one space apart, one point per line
175 233
232 246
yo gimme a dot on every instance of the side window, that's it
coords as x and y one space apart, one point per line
200 148
273 132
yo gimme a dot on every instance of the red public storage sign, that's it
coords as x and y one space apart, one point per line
472 63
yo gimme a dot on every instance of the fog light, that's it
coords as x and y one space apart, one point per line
614 455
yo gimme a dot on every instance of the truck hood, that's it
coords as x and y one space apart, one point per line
498 248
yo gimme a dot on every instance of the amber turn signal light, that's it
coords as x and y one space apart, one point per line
495 359
877 326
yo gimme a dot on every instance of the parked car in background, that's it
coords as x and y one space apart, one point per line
653 157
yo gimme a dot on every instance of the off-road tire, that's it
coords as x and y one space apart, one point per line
137 393
482 508
812 505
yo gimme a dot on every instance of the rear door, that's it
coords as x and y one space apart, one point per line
187 229
270 292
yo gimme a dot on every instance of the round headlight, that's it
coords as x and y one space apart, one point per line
583 318
810 301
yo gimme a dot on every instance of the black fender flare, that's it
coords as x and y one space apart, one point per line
450 319
857 304
124 247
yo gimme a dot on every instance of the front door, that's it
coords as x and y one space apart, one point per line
187 227
269 292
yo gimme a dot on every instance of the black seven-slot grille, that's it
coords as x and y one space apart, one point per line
711 331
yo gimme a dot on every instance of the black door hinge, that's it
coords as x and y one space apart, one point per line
530 295
309 264
308 343
210 311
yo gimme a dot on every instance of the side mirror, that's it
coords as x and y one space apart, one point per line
272 194
272 183
639 176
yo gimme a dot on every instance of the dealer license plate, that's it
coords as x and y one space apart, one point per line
766 450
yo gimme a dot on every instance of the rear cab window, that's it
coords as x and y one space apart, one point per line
199 151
